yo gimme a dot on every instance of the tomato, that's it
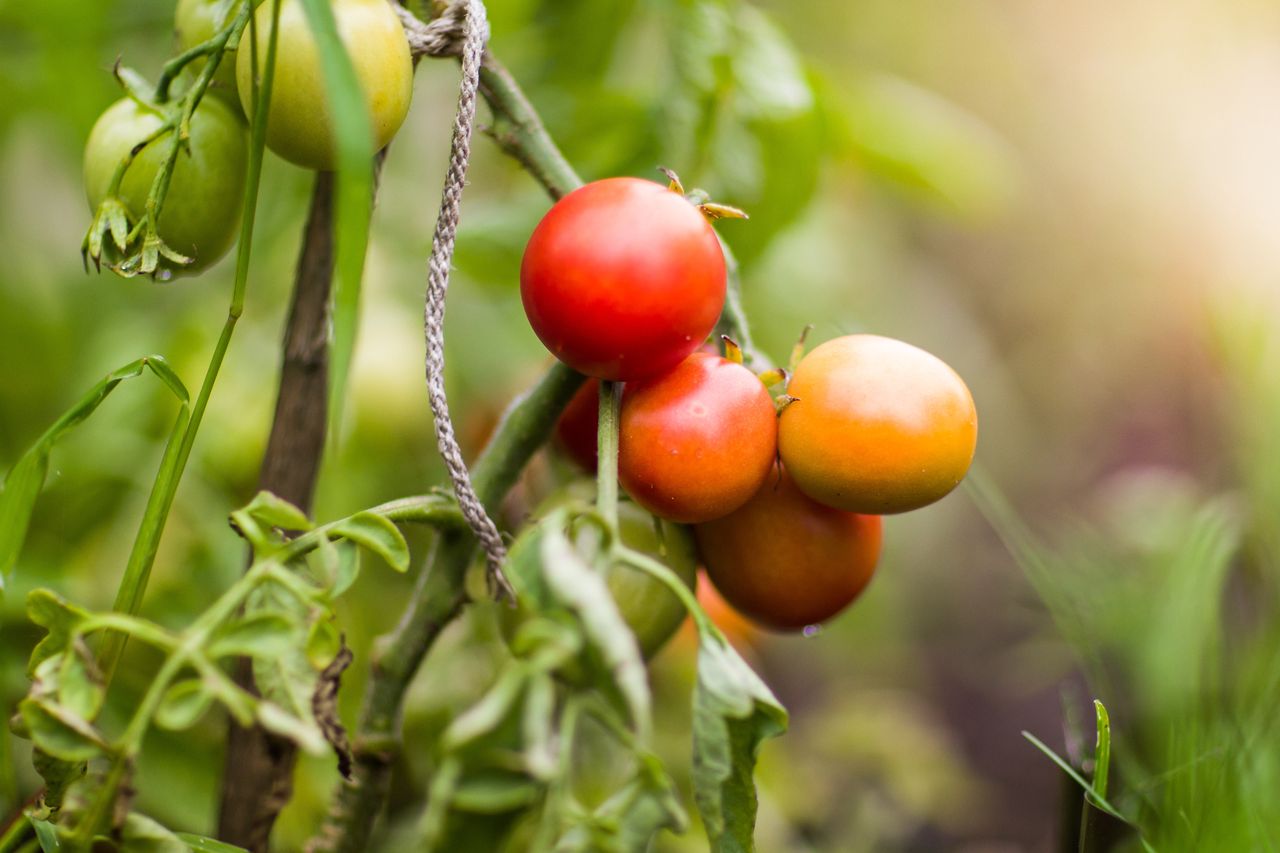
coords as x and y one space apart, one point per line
622 279
299 121
651 610
786 560
576 429
740 631
878 426
201 213
697 442
197 21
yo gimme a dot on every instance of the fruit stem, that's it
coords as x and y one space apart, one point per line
607 451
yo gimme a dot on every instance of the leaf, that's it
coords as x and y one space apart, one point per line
80 687
378 535
184 703
141 834
733 712
23 482
1098 800
58 617
46 835
354 138
323 643
487 714
493 792
201 844
768 73
584 591
275 511
301 731
60 733
263 635
630 819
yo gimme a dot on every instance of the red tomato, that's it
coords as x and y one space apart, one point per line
576 430
696 443
877 426
622 279
786 560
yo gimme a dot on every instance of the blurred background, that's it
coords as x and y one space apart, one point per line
1074 204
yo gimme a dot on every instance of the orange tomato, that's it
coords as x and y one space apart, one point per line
877 426
786 560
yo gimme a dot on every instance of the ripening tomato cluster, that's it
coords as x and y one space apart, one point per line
200 217
624 280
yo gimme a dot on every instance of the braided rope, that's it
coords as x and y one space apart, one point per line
475 34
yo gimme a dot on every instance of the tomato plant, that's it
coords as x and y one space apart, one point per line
786 560
201 215
623 278
697 442
877 426
300 121
649 609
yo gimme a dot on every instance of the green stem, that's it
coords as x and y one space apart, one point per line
15 834
142 557
607 451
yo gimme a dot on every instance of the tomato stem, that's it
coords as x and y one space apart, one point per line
607 452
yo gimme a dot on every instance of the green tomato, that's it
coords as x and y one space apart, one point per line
201 213
197 21
300 124
651 610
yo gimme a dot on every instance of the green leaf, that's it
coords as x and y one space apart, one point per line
323 643
583 591
275 511
58 617
1102 749
378 535
1098 800
486 715
60 733
184 703
201 844
141 834
23 482
354 137
301 731
46 835
80 687
262 635
766 69
733 712
493 792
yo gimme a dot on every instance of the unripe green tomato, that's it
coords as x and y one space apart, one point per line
300 124
197 21
651 610
201 213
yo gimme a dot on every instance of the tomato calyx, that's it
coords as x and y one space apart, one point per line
700 199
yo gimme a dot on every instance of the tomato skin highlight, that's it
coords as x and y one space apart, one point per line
622 279
878 426
300 122
697 442
787 561
201 213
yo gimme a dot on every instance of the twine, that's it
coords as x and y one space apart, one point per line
462 30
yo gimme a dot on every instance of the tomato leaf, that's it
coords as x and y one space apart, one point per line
275 511
287 680
58 617
184 703
59 732
378 535
201 844
141 834
733 712
23 482
262 635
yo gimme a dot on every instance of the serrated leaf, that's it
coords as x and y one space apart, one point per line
141 834
262 635
733 712
378 535
286 680
201 844
184 703
275 511
58 732
58 617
